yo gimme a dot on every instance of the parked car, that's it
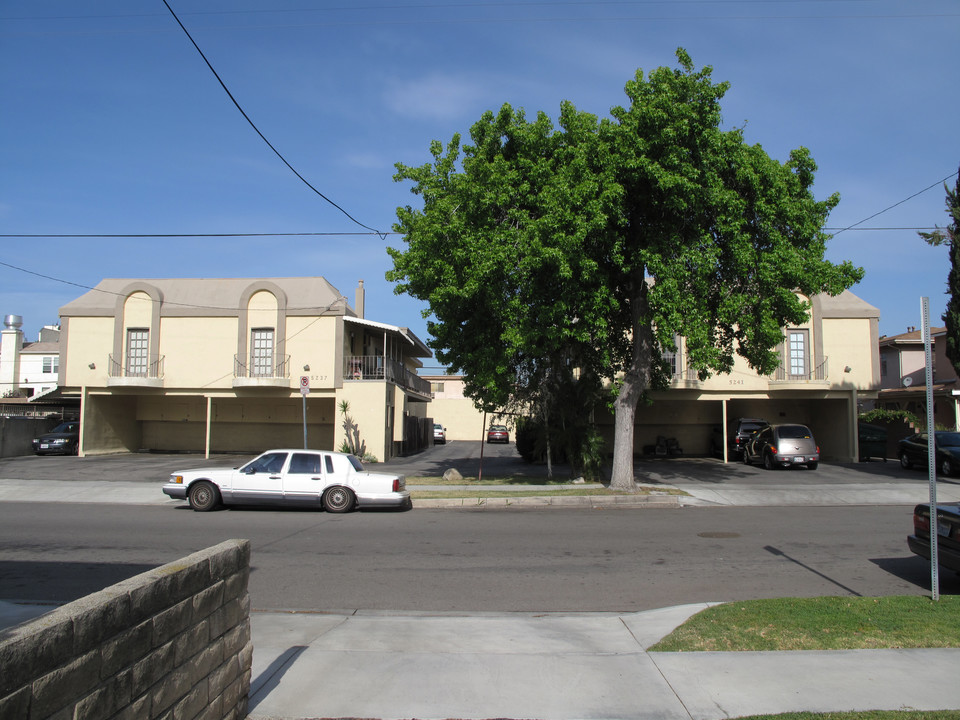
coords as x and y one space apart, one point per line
872 441
783 446
913 451
948 534
498 433
64 439
740 432
439 434
334 481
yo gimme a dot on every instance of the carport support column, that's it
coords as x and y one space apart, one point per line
855 425
206 451
723 431
83 419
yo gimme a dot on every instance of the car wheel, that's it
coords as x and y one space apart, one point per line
768 461
905 461
338 500
813 465
203 496
945 467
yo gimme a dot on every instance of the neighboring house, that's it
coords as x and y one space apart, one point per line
456 412
217 365
28 369
829 368
903 376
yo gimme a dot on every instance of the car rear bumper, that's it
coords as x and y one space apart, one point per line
393 499
947 557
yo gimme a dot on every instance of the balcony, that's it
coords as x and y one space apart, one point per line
373 367
817 375
262 374
138 375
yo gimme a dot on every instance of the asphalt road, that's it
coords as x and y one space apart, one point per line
561 560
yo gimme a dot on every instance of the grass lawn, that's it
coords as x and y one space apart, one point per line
825 623
539 487
821 623
865 715
540 482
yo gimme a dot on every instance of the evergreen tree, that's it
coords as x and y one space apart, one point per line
950 236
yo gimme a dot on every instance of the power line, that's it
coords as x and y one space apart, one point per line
208 235
382 235
256 129
939 182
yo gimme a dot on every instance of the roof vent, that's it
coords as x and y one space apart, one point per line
13 322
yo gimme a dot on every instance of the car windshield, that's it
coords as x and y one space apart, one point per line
498 428
794 431
67 427
750 428
948 439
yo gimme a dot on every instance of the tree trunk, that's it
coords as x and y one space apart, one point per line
546 430
635 381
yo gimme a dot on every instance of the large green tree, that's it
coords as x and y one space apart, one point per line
950 236
598 243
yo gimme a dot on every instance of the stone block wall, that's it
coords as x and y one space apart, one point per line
172 643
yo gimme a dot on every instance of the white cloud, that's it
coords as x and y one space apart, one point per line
435 96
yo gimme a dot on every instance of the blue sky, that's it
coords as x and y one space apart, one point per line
111 124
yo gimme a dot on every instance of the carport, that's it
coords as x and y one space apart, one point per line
212 423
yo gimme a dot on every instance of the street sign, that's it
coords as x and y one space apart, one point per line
304 384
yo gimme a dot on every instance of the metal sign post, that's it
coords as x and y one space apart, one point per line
931 451
304 389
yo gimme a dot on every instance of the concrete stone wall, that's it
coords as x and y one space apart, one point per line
17 433
171 643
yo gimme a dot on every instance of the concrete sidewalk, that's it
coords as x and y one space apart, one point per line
555 666
562 667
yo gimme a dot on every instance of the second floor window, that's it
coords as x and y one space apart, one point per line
51 364
138 349
797 353
261 352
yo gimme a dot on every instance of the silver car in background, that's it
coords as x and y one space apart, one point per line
783 446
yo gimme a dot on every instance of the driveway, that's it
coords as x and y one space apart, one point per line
498 461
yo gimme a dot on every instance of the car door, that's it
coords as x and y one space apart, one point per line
916 448
260 480
304 479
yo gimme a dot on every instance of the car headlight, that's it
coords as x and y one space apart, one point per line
178 479
59 441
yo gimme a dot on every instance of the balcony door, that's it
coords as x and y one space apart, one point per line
798 354
261 352
138 352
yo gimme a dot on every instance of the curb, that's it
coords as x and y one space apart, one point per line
592 501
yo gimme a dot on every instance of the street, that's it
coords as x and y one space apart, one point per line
446 560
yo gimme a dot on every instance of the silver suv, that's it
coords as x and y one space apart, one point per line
783 446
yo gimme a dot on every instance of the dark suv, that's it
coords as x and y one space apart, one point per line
741 431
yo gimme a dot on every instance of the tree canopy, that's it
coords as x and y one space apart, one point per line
595 244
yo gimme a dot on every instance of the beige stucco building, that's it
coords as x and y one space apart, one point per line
217 365
829 368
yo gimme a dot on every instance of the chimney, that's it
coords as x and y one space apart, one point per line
11 341
358 306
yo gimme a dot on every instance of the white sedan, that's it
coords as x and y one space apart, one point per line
314 478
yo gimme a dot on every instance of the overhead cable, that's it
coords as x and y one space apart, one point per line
256 129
